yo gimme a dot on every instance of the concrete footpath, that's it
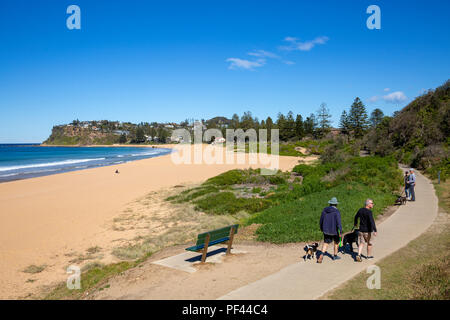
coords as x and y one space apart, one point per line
310 280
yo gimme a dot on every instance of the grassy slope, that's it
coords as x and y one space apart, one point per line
296 217
420 270
298 220
289 209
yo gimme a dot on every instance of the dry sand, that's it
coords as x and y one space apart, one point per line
52 221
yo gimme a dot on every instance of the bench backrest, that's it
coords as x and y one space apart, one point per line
216 234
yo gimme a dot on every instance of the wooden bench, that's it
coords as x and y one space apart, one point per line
210 238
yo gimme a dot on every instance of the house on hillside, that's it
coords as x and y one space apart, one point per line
219 140
178 139
120 132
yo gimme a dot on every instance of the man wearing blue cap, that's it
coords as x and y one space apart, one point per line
330 224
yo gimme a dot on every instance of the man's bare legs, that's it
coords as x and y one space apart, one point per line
325 247
369 250
360 248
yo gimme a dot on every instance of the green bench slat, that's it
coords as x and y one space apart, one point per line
215 237
211 243
216 234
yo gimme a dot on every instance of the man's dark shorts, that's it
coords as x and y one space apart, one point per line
327 238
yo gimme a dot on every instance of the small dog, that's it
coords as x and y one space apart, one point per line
400 200
311 250
350 238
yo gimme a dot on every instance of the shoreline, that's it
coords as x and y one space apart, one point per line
57 165
48 219
109 145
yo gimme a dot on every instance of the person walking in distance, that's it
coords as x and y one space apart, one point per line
412 184
406 180
367 227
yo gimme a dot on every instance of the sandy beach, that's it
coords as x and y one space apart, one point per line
46 220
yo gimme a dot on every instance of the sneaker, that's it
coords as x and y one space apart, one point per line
319 260
369 257
336 257
358 258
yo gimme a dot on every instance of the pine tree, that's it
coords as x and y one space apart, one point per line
290 126
358 118
376 117
140 137
247 121
281 125
344 123
299 127
323 120
235 121
310 125
269 127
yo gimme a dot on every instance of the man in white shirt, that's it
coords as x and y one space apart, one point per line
412 184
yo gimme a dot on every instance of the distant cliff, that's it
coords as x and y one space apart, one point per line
77 135
105 132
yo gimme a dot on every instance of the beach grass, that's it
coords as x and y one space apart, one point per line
94 277
34 268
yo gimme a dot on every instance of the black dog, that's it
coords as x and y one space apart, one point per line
400 200
310 250
350 238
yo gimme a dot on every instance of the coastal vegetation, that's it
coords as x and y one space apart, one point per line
286 205
356 161
419 134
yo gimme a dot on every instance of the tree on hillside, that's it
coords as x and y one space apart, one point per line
162 134
140 137
310 125
344 124
299 128
235 121
376 117
263 124
281 125
323 120
247 121
269 127
289 126
358 118
123 138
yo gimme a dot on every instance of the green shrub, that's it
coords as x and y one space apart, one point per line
227 203
228 178
298 220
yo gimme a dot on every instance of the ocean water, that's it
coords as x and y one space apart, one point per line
22 161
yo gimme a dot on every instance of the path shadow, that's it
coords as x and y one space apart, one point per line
346 250
211 253
319 252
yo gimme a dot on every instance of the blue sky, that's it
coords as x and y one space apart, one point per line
171 60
